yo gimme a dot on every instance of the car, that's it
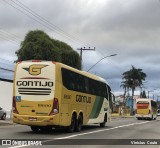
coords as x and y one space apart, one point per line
158 112
2 114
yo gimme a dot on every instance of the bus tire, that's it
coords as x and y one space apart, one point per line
103 124
151 118
35 128
46 129
79 123
71 128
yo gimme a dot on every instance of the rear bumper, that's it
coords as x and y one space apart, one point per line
35 120
143 116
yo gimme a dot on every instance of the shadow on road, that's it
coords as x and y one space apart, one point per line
60 131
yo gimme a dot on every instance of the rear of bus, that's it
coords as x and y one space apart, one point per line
143 109
34 100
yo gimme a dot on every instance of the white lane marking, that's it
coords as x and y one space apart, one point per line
19 146
67 137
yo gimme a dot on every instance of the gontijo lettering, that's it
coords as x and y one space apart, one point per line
84 99
35 83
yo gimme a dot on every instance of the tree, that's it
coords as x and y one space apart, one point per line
38 45
71 58
124 85
144 95
133 78
68 55
61 45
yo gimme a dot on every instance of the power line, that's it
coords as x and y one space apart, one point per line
31 14
21 7
10 37
10 34
25 14
6 63
12 62
36 17
46 21
7 69
10 40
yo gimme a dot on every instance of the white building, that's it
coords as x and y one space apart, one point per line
6 88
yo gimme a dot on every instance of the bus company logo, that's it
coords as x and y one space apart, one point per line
35 69
6 142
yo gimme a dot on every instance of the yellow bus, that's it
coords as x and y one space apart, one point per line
49 94
146 109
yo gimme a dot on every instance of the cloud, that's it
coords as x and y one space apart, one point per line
128 28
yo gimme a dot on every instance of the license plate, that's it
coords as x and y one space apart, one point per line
32 119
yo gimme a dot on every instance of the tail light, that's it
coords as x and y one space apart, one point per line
55 108
36 60
14 106
149 111
19 62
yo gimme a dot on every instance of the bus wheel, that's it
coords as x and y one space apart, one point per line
151 118
79 123
103 124
35 128
46 129
155 117
71 128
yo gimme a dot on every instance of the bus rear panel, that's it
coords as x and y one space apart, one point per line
34 101
146 108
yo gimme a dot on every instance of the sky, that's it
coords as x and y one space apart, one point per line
128 28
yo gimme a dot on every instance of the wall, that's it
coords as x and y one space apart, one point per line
6 88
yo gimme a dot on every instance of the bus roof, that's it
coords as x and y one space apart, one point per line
87 74
146 99
92 76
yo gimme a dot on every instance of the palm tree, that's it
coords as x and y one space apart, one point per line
125 86
134 78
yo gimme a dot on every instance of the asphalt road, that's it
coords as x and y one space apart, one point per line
120 132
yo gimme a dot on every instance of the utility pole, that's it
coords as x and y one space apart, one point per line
84 48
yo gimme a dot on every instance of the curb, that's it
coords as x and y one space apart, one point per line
122 116
6 122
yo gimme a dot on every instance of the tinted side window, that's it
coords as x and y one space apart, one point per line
76 82
154 104
73 81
